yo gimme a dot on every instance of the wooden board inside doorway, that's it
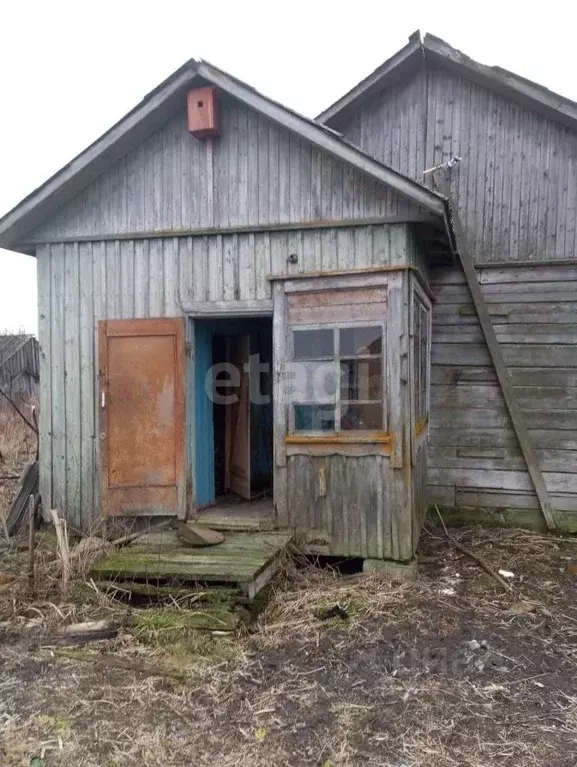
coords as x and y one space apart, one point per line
237 420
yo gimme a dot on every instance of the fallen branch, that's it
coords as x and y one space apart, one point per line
479 560
97 545
82 633
122 663
20 413
134 536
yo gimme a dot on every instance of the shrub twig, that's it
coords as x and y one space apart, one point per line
20 413
479 560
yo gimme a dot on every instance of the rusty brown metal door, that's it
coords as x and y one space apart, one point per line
142 416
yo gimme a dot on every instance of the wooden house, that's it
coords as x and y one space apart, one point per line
209 227
235 300
508 452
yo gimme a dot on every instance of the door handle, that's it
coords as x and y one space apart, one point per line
103 399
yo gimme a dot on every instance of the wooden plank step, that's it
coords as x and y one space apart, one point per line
233 523
196 535
245 559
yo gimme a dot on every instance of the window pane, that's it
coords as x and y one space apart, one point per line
367 417
361 379
314 417
420 359
309 344
312 381
358 341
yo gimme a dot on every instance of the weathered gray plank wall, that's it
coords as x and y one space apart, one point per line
254 174
474 459
392 126
366 506
357 515
517 184
82 283
517 196
19 368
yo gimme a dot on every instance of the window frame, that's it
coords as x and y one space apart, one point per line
421 303
336 359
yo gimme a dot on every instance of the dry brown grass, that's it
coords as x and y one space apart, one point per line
449 670
304 592
17 440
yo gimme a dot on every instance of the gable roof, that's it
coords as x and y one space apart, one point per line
153 110
435 50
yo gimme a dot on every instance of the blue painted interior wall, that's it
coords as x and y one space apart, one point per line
261 418
204 437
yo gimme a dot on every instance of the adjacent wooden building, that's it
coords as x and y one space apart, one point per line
236 301
515 191
19 368
211 228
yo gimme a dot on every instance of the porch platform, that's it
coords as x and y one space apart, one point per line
247 560
233 513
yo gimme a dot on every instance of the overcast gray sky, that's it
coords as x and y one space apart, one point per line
68 70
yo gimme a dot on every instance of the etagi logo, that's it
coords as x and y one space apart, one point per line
311 381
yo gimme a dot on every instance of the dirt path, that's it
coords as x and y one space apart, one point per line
450 670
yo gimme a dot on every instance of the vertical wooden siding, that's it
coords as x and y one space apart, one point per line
474 459
365 507
392 126
358 514
81 283
419 489
254 174
19 367
516 189
517 183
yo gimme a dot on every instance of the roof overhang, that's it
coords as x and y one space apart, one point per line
437 51
154 110
132 129
401 63
519 89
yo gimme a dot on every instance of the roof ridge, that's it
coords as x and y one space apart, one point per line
148 114
541 98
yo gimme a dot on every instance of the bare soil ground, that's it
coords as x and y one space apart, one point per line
448 670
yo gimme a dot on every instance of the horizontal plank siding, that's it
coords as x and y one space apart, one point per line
474 459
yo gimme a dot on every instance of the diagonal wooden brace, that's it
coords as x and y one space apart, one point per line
517 418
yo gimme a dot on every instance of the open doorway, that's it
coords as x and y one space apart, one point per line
234 422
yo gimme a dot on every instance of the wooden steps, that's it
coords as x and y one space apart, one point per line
246 560
232 523
229 514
